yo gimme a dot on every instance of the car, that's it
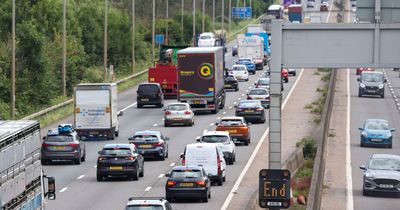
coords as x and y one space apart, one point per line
178 113
206 39
285 75
238 129
240 72
371 83
234 50
248 62
209 156
146 203
292 71
360 70
324 7
376 132
230 82
119 160
263 82
149 94
150 144
62 143
251 110
188 182
381 175
310 4
261 94
223 139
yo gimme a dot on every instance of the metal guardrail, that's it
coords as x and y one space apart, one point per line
69 101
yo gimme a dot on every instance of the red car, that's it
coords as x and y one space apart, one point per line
285 75
359 70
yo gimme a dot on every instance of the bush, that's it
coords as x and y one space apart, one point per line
309 147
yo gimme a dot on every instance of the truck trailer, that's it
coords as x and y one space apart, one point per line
252 47
201 78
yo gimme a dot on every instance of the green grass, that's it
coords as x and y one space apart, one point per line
55 115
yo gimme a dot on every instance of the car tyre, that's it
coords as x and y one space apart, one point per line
116 133
139 105
162 157
141 174
99 177
362 144
359 94
237 89
220 181
383 95
389 146
294 74
205 199
169 199
246 143
77 161
166 124
83 159
135 175
365 193
286 80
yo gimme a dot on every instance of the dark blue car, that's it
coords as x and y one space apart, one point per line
376 132
250 65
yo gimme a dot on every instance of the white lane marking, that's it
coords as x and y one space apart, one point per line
242 94
205 130
127 107
349 187
81 176
95 166
230 107
172 164
246 91
219 117
155 125
239 99
63 189
250 87
253 155
162 119
147 189
160 176
211 124
223 112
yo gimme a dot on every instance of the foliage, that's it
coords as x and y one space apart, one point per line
309 147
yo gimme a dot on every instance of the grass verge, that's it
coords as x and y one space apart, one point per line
317 106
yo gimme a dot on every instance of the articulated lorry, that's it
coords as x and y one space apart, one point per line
252 47
201 78
95 110
22 183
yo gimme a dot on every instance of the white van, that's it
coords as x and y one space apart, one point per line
208 156
222 139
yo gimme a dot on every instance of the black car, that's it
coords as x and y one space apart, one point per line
234 50
371 83
62 144
119 160
382 175
188 182
251 110
231 82
150 143
150 94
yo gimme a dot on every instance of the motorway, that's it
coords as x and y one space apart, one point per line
77 187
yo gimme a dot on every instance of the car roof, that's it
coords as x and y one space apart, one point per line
148 200
147 132
186 167
376 120
222 133
177 103
258 89
232 118
239 65
385 156
371 72
245 58
246 101
207 33
117 146
201 144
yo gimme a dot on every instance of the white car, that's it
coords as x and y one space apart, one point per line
261 94
223 140
178 113
240 72
206 40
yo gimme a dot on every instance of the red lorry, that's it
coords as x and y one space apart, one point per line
165 70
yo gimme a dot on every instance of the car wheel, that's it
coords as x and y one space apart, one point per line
224 178
237 89
83 159
246 80
116 133
234 157
166 124
209 193
382 95
205 199
141 174
246 143
162 157
169 199
220 181
365 193
135 175
359 94
44 162
99 177
139 105
389 146
286 80
362 144
77 161
294 74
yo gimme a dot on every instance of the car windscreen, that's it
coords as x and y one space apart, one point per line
190 173
263 81
377 125
116 151
145 138
148 89
258 92
238 68
205 37
231 122
60 138
384 164
249 104
214 139
177 107
245 61
371 77
145 207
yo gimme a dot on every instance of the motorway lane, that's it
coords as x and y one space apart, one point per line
361 109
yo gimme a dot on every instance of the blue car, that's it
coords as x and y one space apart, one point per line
376 132
250 65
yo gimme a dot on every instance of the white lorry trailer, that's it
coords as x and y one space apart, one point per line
251 47
95 110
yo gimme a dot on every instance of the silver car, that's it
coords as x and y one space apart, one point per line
178 113
261 94
262 82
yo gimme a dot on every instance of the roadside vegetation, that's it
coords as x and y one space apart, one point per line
317 107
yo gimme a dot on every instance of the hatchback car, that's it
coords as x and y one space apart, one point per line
292 71
382 175
230 82
251 110
119 160
148 203
240 72
376 132
223 139
371 83
238 129
150 144
248 62
150 94
188 182
206 39
261 94
62 144
262 82
360 70
178 114
310 4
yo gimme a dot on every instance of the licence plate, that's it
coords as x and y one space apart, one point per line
232 131
115 167
94 133
178 119
59 148
145 146
226 85
387 186
186 185
274 203
145 99
376 140
248 111
197 102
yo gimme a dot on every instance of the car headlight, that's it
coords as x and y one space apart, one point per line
362 85
369 175
365 134
380 86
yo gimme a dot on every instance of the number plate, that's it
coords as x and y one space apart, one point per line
186 185
94 133
59 148
248 110
115 167
197 102
386 186
226 85
178 119
145 99
232 131
376 140
274 203
145 146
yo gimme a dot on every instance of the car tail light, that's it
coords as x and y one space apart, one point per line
239 110
102 158
187 112
130 158
183 161
267 97
171 183
45 145
73 145
259 109
219 164
167 113
157 144
201 183
248 98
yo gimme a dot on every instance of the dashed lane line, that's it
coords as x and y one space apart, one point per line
63 189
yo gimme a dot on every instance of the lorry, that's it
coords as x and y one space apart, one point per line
22 182
95 110
295 13
165 71
252 47
201 78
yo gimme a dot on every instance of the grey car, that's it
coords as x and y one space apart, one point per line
371 83
382 175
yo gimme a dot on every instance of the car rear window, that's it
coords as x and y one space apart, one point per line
245 60
238 68
190 173
145 207
116 151
145 138
60 138
258 92
205 37
148 88
180 107
263 81
249 104
231 122
214 139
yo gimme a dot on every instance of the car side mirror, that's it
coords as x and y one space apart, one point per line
209 175
198 139
166 138
182 156
216 124
51 193
130 138
361 129
99 152
165 110
120 113
358 79
362 167
392 129
385 80
167 175
44 138
235 105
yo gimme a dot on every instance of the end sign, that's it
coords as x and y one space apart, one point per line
274 188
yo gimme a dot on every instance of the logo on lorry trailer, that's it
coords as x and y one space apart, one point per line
206 71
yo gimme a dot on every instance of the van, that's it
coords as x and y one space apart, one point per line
149 94
208 156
